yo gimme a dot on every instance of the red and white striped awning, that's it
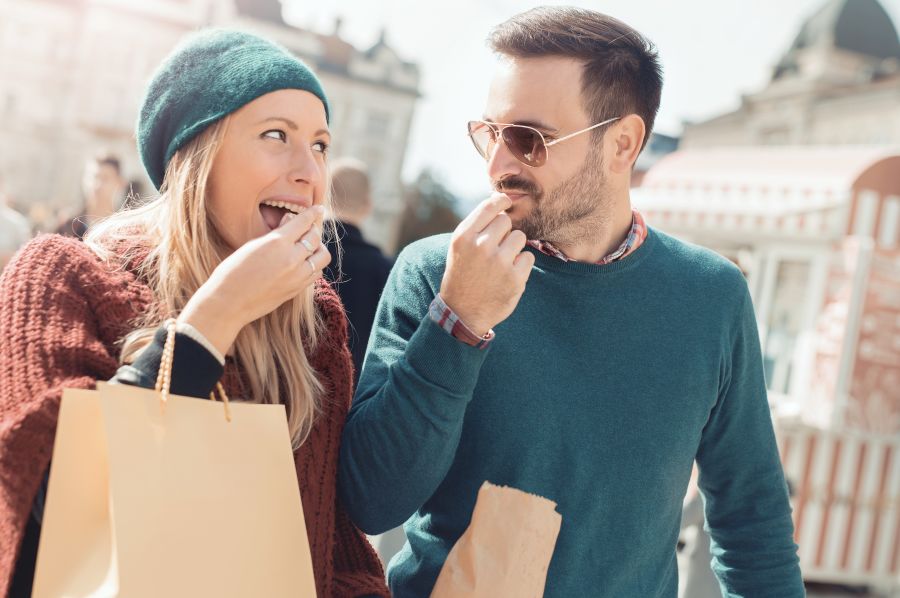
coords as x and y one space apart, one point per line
846 503
807 191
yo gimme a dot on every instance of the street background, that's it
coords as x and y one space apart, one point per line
777 145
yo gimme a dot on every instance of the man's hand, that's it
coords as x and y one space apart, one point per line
486 267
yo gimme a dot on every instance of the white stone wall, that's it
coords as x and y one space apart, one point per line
867 116
71 80
35 60
833 100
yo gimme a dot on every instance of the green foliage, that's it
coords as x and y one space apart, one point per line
430 209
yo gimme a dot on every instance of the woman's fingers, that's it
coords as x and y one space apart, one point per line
316 262
296 226
309 242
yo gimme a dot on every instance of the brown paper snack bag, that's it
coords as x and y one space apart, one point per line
506 549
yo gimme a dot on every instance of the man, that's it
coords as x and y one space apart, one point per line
103 188
363 268
628 356
15 230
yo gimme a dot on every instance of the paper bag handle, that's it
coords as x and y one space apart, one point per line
164 377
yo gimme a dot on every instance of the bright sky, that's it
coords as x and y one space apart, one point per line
712 51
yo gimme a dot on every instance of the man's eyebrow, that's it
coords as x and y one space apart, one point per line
535 124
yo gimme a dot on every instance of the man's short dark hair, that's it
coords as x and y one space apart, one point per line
622 74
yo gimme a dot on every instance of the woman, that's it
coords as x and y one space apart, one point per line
233 131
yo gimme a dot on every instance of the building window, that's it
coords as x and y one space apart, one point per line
785 322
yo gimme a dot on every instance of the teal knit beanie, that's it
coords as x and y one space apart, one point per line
210 75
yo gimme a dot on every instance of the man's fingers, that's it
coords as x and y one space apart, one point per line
496 230
523 263
484 213
513 244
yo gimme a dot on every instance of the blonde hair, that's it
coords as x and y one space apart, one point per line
185 248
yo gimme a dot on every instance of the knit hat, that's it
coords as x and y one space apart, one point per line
212 74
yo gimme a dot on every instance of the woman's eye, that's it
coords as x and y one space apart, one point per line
276 134
321 146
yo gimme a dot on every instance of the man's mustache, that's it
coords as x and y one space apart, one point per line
516 184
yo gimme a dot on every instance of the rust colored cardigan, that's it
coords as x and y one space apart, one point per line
62 311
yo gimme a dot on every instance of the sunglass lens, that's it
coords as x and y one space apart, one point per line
482 137
525 144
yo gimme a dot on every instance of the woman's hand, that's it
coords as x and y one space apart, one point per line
258 277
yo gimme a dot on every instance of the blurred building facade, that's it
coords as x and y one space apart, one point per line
838 83
72 73
816 230
790 186
800 187
658 145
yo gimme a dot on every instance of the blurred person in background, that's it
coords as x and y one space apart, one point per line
363 267
230 254
103 189
15 230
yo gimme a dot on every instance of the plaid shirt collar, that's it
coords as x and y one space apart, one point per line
635 237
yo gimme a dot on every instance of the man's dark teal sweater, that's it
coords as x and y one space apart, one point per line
599 392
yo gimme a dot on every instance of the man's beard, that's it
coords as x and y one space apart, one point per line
570 212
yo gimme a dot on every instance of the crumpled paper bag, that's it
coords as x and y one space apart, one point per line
506 549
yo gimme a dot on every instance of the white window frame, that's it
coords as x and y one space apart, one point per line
769 259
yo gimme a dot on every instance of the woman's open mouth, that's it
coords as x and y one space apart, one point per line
273 211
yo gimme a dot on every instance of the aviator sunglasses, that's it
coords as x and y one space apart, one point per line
525 143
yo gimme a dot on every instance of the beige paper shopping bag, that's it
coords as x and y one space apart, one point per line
146 502
76 555
506 549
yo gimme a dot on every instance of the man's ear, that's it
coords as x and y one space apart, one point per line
623 143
